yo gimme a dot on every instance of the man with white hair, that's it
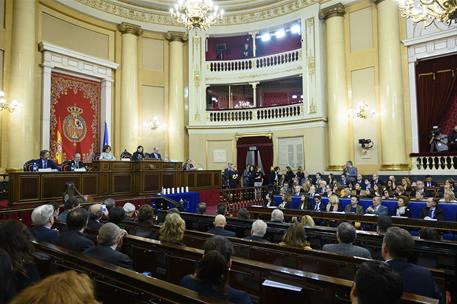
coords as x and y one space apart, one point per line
219 224
130 212
277 216
42 221
76 163
258 231
109 239
97 212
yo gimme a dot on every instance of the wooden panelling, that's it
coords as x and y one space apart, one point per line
53 184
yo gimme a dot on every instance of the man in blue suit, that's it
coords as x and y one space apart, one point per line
396 247
42 221
44 162
155 154
316 204
377 208
219 227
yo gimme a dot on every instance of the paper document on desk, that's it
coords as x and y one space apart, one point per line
275 284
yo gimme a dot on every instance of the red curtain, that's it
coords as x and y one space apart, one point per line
76 103
271 99
263 144
436 93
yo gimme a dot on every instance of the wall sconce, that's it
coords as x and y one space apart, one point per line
155 124
362 110
9 106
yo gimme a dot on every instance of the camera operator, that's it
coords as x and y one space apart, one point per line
438 141
453 139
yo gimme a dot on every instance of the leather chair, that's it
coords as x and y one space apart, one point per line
126 154
28 166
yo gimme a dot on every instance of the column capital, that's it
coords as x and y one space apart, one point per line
377 1
129 28
332 11
176 36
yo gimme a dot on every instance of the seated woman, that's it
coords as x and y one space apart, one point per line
106 153
307 221
286 201
15 239
268 201
295 237
448 197
138 154
304 202
172 229
212 273
333 204
346 193
402 207
358 190
145 222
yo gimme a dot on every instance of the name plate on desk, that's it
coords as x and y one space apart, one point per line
80 170
47 170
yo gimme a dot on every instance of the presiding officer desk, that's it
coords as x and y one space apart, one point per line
110 179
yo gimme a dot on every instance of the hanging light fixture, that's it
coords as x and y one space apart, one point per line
429 11
199 14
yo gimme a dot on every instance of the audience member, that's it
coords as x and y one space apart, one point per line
109 239
67 287
6 277
286 201
354 206
307 221
397 246
277 216
202 208
145 222
333 204
116 215
130 212
346 235
258 231
71 204
432 211
73 238
429 234
15 239
243 214
376 283
172 229
316 204
211 275
219 227
221 208
97 212
420 188
295 237
402 207
448 197
384 223
42 221
109 203
376 208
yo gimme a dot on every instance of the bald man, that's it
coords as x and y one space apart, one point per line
219 227
97 211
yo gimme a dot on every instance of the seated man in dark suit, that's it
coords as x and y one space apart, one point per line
277 216
346 234
97 211
377 208
354 206
155 154
432 211
42 221
73 238
420 188
45 162
109 239
219 223
316 204
258 231
397 246
376 283
76 163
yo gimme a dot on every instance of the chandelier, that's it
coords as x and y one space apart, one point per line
429 11
199 14
362 111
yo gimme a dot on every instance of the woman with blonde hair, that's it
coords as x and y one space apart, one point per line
295 237
63 288
172 230
333 204
307 221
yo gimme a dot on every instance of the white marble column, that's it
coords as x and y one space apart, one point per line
337 91
22 144
176 119
393 143
129 123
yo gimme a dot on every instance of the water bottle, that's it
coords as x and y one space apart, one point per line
72 167
35 167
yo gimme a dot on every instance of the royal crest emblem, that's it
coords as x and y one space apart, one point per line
74 125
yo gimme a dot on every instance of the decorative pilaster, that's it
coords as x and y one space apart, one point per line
23 129
176 119
390 88
129 123
337 90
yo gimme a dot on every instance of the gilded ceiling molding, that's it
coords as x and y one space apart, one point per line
141 14
332 11
176 36
128 28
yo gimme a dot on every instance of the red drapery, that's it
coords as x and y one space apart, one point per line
436 95
263 144
76 103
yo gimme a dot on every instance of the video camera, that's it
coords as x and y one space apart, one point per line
436 131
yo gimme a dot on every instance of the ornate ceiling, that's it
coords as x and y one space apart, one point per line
237 11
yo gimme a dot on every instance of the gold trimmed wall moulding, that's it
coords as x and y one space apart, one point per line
240 135
332 11
395 167
148 15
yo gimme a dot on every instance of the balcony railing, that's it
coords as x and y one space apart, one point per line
439 163
255 114
254 63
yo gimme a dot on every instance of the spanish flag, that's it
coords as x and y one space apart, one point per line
59 143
